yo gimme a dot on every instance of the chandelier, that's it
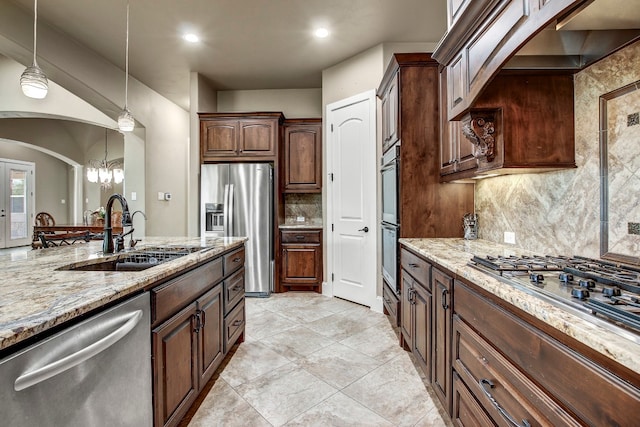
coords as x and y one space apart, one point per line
106 172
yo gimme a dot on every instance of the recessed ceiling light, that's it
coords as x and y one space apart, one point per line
191 38
322 33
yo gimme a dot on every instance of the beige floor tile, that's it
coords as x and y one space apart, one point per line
338 365
266 323
339 410
224 407
297 342
342 325
378 342
251 360
394 391
285 393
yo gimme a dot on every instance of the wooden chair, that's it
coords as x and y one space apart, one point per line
44 219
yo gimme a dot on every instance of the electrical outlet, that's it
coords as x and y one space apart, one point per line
300 219
510 237
160 195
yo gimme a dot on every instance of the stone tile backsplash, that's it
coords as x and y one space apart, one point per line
304 205
559 212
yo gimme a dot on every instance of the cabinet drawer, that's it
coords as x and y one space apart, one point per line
233 290
391 304
417 267
467 412
233 261
500 387
173 295
300 236
233 326
585 388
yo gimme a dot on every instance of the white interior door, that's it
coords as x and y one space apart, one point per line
16 203
351 155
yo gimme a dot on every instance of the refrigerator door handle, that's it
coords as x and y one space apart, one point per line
225 210
229 229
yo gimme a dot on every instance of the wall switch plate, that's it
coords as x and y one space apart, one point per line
63 201
510 237
160 195
134 195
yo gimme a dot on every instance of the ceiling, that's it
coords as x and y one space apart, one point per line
245 44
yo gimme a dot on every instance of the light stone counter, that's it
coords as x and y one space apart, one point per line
455 254
301 226
36 296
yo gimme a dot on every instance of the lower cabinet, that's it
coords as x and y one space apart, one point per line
192 316
301 259
416 306
492 365
441 379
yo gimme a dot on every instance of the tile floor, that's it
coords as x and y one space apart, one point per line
310 360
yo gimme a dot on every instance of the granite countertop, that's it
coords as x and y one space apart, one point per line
301 226
454 255
36 296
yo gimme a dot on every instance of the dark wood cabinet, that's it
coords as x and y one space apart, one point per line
301 259
224 137
442 286
482 37
426 207
192 315
416 308
302 156
175 367
390 116
391 307
522 123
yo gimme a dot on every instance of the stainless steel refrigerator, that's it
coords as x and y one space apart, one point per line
237 200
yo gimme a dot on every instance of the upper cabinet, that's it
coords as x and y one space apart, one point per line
246 135
302 156
390 118
484 35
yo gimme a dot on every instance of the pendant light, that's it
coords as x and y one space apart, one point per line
105 171
33 80
126 122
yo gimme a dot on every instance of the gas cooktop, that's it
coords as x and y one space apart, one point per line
599 291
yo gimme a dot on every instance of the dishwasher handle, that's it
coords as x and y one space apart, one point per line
32 378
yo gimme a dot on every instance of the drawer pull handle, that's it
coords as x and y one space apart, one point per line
483 384
300 237
445 306
237 259
413 265
236 288
237 322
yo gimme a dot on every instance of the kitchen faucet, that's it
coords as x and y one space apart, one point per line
107 244
132 241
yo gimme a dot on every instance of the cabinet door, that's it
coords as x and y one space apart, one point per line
467 412
301 264
303 158
258 137
390 115
210 348
421 349
406 317
175 369
219 138
441 359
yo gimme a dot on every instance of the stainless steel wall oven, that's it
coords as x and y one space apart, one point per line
390 227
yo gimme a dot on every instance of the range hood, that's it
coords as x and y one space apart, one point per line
590 32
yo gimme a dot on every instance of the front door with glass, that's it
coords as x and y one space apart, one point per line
16 203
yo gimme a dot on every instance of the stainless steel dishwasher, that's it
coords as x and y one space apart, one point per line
95 373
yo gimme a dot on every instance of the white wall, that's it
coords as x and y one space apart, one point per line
294 103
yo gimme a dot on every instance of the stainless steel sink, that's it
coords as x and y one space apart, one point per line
137 260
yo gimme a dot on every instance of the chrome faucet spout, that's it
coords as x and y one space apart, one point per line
132 241
107 244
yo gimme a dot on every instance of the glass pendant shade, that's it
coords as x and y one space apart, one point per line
118 176
34 83
126 122
33 80
92 175
105 175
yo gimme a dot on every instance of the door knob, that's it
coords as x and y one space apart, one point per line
365 229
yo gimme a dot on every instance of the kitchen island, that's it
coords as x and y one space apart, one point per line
496 352
36 296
